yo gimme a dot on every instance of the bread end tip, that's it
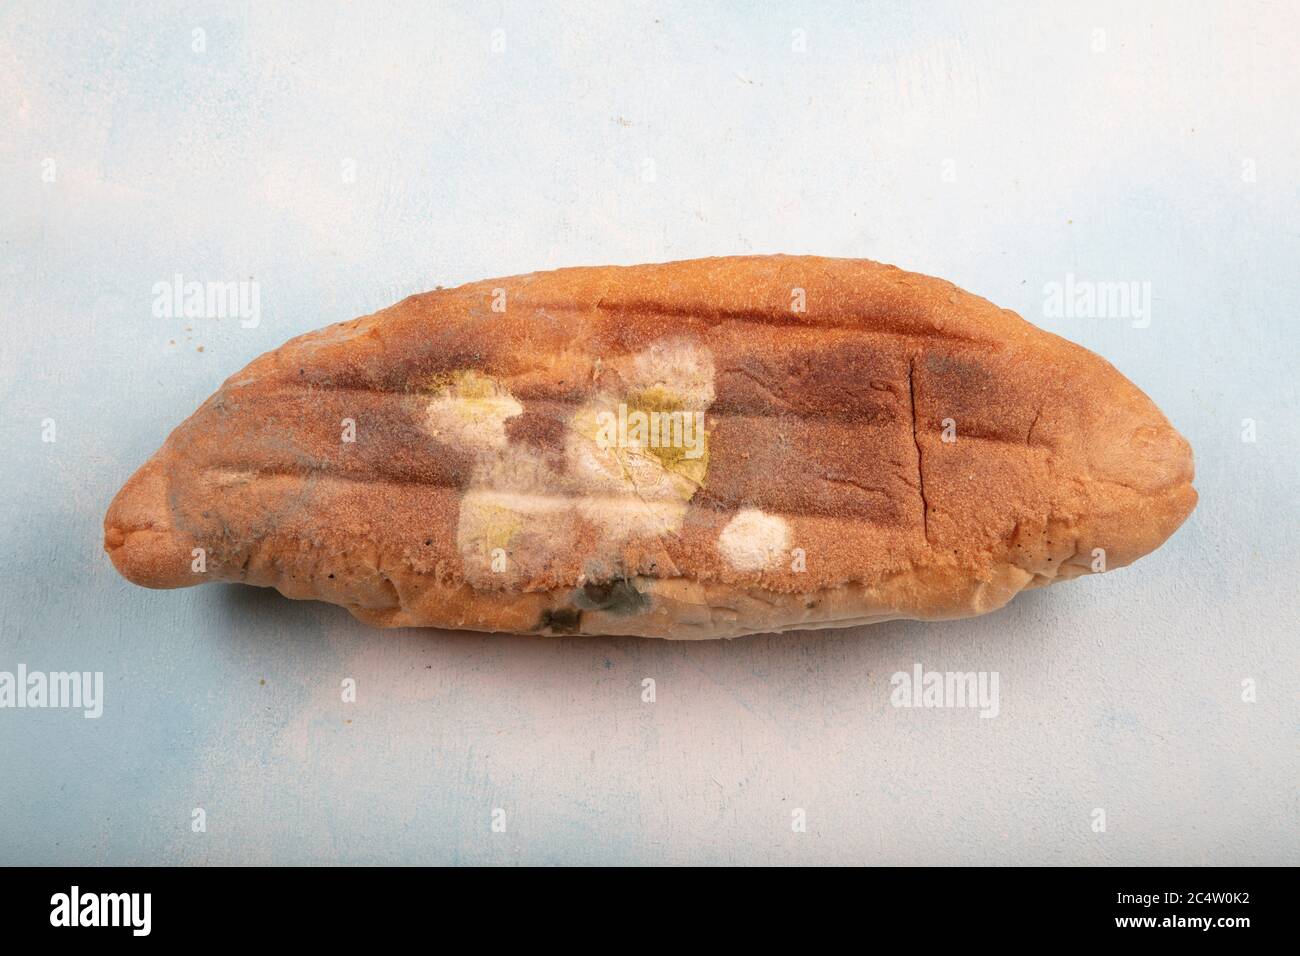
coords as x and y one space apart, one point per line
139 539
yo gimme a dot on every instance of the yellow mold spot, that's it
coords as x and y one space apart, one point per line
644 453
498 526
485 526
471 408
684 453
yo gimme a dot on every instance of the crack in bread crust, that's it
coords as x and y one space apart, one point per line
920 454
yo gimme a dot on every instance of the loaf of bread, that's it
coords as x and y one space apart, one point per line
688 450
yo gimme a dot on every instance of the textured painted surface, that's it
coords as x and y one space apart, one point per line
343 158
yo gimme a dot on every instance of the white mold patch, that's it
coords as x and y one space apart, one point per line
678 366
521 504
754 540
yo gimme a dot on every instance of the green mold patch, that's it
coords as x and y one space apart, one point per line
560 620
615 597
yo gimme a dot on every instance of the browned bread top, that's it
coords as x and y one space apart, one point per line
871 439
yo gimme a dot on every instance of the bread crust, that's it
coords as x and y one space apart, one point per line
876 444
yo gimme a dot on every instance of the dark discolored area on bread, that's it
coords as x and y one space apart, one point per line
827 424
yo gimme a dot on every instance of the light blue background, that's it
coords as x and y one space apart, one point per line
1111 141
